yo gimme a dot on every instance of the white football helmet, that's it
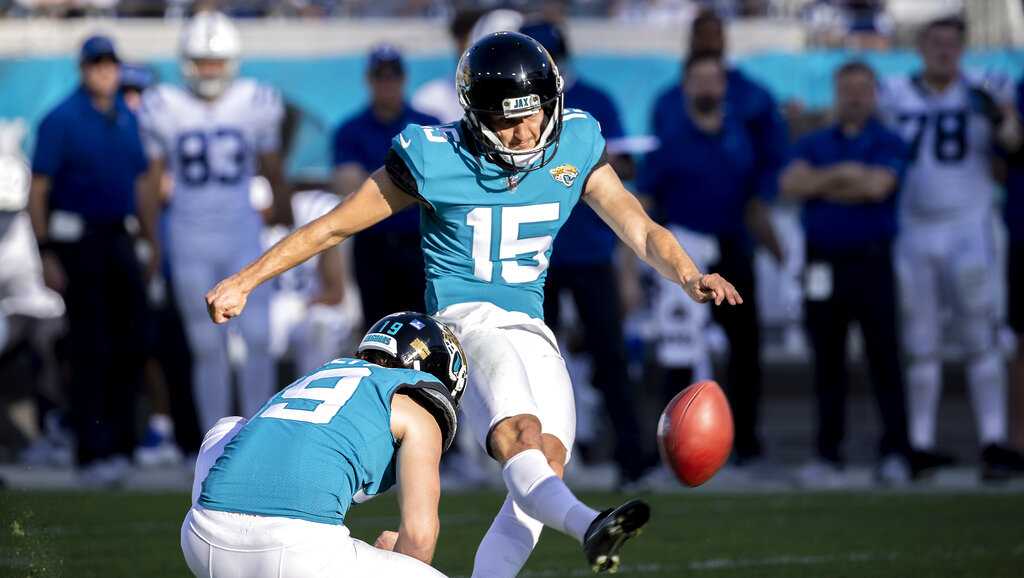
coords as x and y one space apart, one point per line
210 36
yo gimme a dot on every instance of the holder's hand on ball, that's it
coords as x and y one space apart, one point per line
386 540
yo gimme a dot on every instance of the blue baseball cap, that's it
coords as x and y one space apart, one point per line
550 37
97 48
385 58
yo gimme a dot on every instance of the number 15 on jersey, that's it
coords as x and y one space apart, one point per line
511 245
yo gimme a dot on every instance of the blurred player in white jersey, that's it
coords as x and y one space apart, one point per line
311 312
213 137
946 254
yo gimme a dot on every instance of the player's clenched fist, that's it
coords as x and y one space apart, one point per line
712 287
226 300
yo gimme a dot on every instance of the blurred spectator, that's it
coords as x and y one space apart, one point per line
847 176
437 97
135 78
945 253
214 136
79 201
749 147
360 145
309 317
1014 215
859 24
582 263
172 426
701 179
30 318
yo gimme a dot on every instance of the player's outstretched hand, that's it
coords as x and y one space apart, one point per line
226 300
713 287
386 540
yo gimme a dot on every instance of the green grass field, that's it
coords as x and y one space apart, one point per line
699 534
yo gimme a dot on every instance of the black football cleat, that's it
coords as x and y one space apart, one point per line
1000 463
924 463
610 530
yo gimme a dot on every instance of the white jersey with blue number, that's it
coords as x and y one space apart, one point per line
211 148
307 206
950 136
484 240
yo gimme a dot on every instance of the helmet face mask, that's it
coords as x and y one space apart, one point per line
416 341
507 75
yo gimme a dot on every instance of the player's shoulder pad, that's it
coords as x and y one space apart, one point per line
579 122
895 85
261 98
416 141
992 87
409 144
158 98
161 106
578 126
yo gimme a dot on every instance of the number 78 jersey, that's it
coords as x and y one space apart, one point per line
484 240
950 137
211 147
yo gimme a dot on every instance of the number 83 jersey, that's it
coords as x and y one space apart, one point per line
211 148
485 237
950 136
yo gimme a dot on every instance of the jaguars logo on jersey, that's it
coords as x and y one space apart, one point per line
565 174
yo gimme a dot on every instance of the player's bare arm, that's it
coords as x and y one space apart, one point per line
377 199
759 220
419 483
38 209
650 241
272 168
1009 132
148 203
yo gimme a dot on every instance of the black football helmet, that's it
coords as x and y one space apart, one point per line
417 341
510 75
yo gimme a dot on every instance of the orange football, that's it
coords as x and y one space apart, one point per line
695 432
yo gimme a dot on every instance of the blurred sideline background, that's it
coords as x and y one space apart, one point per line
318 61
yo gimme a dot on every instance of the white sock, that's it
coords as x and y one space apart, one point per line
924 384
508 543
986 380
544 496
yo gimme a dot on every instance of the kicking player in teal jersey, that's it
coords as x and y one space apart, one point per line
493 191
271 493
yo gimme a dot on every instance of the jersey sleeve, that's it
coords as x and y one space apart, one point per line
267 100
408 147
156 133
49 152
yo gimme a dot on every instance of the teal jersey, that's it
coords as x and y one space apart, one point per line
315 447
482 239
